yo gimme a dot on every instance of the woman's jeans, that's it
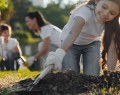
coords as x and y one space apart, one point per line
91 58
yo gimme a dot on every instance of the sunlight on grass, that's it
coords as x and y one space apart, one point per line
9 78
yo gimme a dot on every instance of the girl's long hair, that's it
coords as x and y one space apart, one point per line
112 31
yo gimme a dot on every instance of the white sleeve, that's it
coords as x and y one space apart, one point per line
46 32
12 43
40 46
1 49
15 42
112 56
83 12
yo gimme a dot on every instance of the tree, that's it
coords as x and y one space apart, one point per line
21 7
56 14
7 11
3 4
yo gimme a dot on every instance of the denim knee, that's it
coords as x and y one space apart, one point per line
70 61
91 59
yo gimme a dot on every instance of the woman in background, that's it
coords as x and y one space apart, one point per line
48 33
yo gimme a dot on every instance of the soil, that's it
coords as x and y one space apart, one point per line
71 83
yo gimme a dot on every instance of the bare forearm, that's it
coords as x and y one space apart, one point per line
39 54
112 56
18 49
112 60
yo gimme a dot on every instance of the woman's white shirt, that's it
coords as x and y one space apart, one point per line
52 32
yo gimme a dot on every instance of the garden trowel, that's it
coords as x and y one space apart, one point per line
41 76
36 81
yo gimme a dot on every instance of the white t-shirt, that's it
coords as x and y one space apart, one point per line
6 47
52 32
90 32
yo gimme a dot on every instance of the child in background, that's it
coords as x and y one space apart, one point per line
9 50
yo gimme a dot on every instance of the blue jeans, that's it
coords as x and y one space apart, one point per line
91 58
11 62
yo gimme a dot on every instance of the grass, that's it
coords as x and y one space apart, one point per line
9 78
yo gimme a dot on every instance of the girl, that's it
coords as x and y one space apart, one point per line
48 33
9 50
82 35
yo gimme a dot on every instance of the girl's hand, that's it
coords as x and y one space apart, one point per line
55 59
31 60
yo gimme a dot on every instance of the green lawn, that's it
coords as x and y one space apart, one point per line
9 78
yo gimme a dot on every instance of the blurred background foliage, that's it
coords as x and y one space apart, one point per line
3 4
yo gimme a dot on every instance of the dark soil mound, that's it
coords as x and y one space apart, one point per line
71 83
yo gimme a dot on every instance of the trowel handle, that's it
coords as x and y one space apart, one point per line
43 73
23 59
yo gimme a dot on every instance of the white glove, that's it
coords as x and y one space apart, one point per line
55 58
31 60
1 40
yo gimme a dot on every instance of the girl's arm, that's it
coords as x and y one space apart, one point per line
46 42
18 49
112 56
74 33
55 58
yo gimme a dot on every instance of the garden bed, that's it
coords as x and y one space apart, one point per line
71 83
